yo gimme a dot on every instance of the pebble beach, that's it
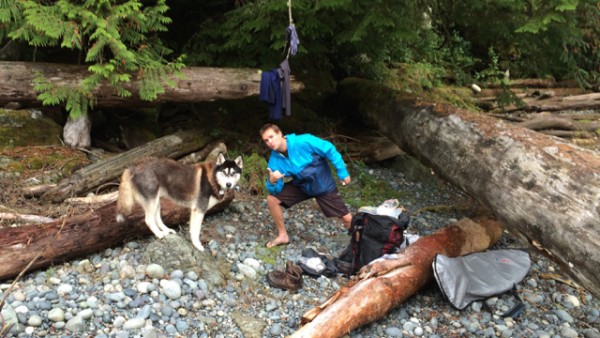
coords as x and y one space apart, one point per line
122 293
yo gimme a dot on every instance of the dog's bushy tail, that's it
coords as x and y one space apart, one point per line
126 201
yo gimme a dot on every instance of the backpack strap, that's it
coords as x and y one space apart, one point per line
518 308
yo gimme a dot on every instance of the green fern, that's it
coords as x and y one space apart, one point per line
118 39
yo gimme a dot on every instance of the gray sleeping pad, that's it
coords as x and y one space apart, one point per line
480 275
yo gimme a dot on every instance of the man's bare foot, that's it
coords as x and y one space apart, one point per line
278 241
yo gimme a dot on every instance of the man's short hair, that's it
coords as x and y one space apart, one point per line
268 126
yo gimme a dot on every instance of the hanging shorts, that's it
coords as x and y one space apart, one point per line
331 203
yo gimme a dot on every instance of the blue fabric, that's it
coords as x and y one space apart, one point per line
292 37
270 91
307 164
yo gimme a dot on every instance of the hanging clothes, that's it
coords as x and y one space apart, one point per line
286 95
291 37
270 92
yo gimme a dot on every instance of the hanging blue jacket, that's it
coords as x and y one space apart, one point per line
307 165
270 91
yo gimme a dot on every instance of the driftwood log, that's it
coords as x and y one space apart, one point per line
553 103
198 84
94 175
383 285
538 186
77 236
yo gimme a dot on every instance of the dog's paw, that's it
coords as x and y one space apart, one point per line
200 247
169 232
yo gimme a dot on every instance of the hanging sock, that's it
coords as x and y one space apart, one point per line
292 39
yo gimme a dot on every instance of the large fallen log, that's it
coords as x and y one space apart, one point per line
77 236
96 174
198 84
543 188
383 285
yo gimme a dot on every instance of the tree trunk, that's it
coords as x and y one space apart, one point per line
545 189
94 175
80 235
383 285
198 84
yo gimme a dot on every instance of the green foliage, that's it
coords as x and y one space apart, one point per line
118 39
254 174
493 74
365 190
349 37
556 38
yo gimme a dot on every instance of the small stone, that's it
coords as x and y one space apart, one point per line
568 332
56 315
155 271
35 320
134 324
393 332
171 288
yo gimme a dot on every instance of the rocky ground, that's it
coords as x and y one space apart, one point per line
130 290
137 289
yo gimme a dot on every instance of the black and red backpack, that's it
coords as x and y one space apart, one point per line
372 236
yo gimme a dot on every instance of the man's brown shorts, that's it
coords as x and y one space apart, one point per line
331 203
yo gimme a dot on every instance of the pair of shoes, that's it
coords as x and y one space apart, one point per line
290 279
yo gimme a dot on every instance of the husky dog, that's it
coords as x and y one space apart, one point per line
198 187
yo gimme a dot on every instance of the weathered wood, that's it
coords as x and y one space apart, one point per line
11 216
570 134
37 190
198 84
545 121
543 188
536 83
555 103
526 83
80 235
95 199
96 174
379 149
383 285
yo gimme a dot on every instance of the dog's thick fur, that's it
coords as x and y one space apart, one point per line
198 187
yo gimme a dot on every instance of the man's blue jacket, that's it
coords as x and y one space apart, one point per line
307 165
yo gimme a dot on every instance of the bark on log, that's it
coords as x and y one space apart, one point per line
383 285
199 84
94 175
545 189
80 235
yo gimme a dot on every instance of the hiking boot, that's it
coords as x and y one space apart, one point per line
284 280
293 269
344 267
290 279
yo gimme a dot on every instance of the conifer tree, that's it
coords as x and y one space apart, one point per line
117 40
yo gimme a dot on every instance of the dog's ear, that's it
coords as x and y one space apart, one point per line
239 162
220 159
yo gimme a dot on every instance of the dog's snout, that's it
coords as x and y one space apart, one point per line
228 184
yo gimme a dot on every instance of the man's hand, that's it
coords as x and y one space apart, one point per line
274 176
346 180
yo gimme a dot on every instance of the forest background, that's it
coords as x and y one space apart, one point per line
432 42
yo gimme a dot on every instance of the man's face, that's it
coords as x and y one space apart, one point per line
272 139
